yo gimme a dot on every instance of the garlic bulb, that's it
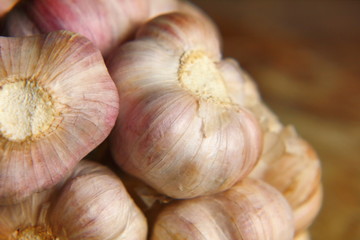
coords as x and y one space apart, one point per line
105 23
91 204
292 167
57 103
250 210
180 130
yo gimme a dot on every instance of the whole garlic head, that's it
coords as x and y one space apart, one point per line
57 103
91 204
250 210
180 130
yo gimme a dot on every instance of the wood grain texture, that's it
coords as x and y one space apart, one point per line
304 56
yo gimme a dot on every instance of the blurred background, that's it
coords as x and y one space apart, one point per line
305 58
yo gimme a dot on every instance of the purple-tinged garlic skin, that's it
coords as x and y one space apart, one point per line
180 130
106 23
57 103
250 210
91 204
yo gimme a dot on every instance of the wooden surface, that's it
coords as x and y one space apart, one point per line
305 57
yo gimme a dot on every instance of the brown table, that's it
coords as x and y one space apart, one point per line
305 57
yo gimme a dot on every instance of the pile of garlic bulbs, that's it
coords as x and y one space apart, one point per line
182 145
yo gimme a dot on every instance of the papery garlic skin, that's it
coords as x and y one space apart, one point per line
91 204
299 167
57 103
180 131
105 23
306 212
250 210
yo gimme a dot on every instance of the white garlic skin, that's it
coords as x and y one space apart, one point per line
181 142
91 204
306 212
250 210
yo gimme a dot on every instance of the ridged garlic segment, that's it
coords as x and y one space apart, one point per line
105 23
91 204
180 130
296 171
306 212
57 103
291 165
250 210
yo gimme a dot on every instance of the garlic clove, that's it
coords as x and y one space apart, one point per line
301 166
105 23
180 131
57 103
92 203
306 212
294 169
251 209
